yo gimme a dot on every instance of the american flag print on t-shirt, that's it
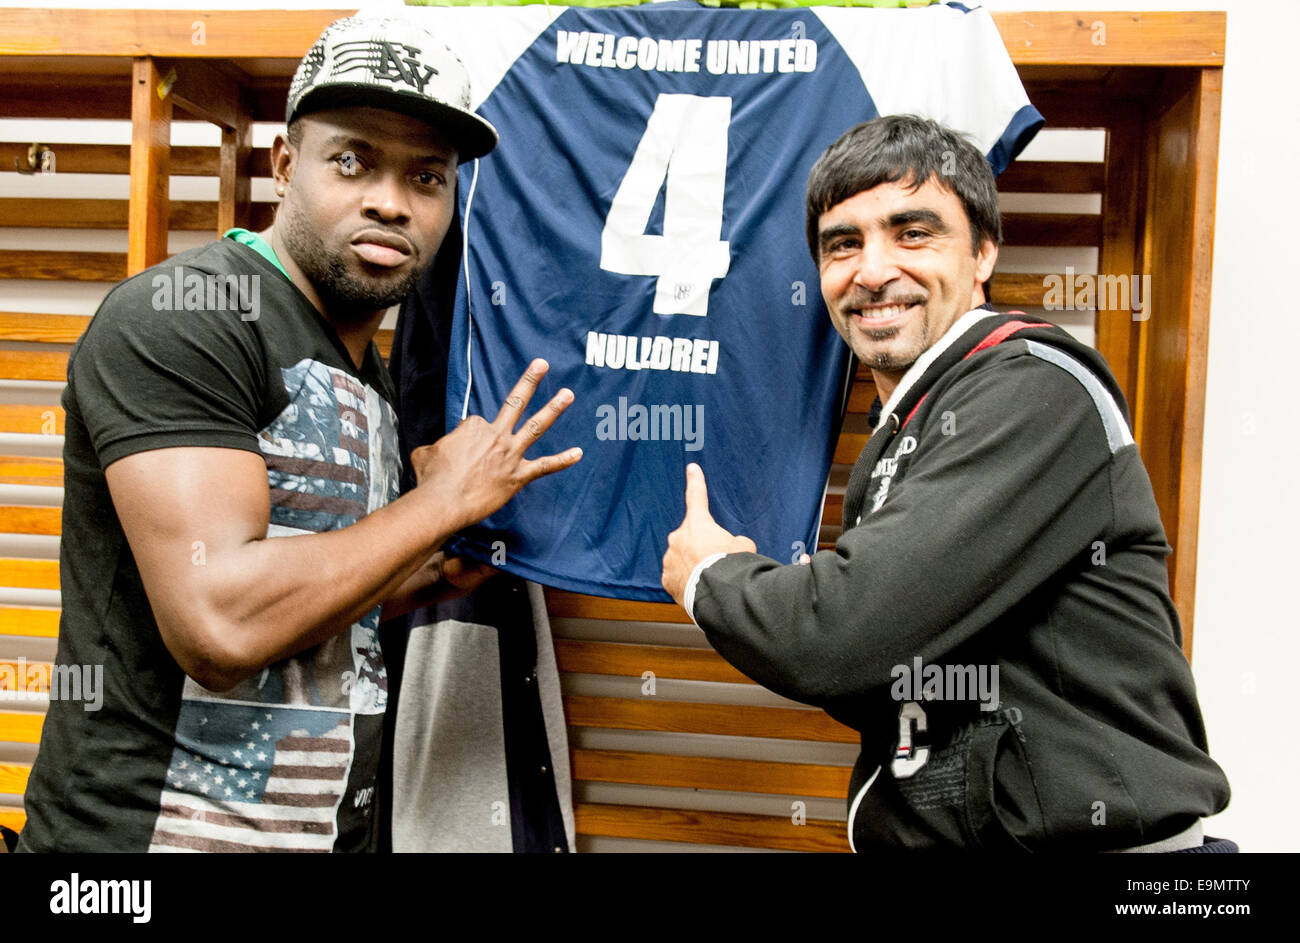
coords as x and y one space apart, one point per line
273 763
331 455
248 777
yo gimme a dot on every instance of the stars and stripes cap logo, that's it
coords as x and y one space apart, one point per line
392 63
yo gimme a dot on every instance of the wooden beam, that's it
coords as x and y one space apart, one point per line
24 519
833 511
28 675
709 828
1113 38
1032 38
33 365
1019 290
42 328
1181 152
182 215
62 96
28 574
204 89
21 726
151 122
1117 333
1074 104
849 447
214 34
1051 229
649 713
615 658
40 472
1198 261
36 623
73 266
706 772
1052 176
234 202
31 420
564 605
116 158
861 396
13 778
76 158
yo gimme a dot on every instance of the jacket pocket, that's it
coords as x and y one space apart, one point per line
1002 805
967 785
918 799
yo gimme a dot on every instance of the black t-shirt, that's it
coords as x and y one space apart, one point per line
214 347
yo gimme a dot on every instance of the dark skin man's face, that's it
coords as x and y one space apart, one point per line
369 196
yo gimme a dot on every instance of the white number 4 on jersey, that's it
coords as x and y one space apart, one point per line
685 141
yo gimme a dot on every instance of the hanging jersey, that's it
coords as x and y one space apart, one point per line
640 226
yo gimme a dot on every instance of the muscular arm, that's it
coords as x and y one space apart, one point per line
229 601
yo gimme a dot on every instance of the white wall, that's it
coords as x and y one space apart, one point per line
1247 636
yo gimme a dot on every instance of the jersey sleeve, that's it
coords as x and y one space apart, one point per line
984 516
144 377
969 81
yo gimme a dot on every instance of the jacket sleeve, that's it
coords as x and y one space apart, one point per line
1017 489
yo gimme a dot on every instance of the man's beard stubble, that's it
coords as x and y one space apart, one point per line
884 361
901 362
346 295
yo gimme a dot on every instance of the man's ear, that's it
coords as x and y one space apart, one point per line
283 156
985 261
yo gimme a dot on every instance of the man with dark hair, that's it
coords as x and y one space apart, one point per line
995 620
877 152
232 526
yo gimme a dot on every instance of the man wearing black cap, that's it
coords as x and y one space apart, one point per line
232 395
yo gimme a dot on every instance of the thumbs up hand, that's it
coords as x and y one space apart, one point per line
699 536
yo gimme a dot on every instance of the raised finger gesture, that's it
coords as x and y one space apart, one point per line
480 465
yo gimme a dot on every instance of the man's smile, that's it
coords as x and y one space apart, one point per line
878 316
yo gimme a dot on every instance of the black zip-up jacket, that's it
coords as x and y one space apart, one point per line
1000 517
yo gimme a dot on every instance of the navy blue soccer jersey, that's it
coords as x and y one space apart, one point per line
641 227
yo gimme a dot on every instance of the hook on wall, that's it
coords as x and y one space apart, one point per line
40 160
